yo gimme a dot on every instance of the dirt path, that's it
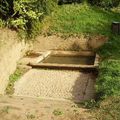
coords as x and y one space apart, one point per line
18 108
56 84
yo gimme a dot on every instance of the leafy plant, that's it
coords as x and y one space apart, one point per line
24 14
30 116
108 82
12 79
57 112
109 109
2 23
90 104
5 109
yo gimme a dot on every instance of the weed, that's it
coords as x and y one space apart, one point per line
57 112
5 109
2 23
109 109
90 104
12 79
30 116
75 110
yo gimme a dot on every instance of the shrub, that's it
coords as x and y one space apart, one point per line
108 82
21 14
105 3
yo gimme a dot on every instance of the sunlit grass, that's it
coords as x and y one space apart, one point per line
77 19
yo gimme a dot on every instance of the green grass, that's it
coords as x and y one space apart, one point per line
81 19
86 20
109 109
111 49
2 24
12 79
108 82
89 20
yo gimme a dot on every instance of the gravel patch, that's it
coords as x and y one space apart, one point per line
56 84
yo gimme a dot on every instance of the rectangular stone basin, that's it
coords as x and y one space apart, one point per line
69 59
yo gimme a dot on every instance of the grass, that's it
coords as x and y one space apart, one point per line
89 20
85 20
81 19
108 82
111 49
108 110
12 79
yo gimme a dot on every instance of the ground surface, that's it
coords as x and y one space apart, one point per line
58 84
18 108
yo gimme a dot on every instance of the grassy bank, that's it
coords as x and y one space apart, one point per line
109 109
86 20
80 19
89 20
13 78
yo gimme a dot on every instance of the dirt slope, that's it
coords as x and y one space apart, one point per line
18 108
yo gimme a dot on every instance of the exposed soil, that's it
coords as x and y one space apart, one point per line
18 108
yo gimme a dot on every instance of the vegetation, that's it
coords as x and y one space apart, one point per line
109 109
57 112
30 116
5 110
87 20
111 49
108 83
80 19
25 15
13 78
2 24
107 4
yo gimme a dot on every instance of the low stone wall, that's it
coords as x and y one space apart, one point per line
11 50
70 43
58 43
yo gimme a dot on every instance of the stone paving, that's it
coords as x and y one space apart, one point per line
56 84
